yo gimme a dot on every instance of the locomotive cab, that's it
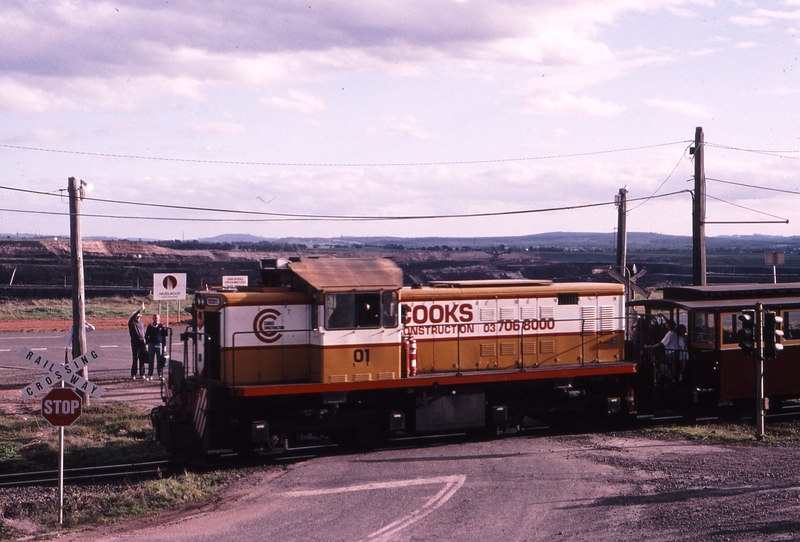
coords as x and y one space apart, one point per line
320 321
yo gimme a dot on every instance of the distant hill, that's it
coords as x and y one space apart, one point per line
568 241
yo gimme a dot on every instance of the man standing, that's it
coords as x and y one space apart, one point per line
155 337
138 348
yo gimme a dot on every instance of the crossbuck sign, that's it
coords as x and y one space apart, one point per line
68 373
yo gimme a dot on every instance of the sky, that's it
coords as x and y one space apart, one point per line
386 114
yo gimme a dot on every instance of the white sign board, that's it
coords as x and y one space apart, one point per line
234 281
169 286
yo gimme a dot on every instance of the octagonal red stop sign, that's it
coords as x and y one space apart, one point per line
61 407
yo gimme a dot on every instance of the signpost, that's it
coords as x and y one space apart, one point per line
234 281
61 406
169 287
774 259
67 373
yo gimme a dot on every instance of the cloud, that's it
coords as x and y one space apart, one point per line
20 97
763 17
680 107
297 101
219 129
408 126
566 103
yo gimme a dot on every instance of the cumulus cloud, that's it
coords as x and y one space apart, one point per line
408 126
20 97
763 17
566 103
296 101
680 107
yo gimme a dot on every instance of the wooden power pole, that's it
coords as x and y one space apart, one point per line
699 213
622 230
76 193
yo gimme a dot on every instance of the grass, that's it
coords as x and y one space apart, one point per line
105 434
778 433
61 309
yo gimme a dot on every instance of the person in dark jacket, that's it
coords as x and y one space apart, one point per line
155 336
138 347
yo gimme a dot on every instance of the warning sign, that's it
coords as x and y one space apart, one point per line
234 281
169 286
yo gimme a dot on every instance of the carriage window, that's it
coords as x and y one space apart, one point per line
389 309
353 310
791 325
730 328
703 329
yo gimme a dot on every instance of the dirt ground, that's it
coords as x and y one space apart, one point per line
58 325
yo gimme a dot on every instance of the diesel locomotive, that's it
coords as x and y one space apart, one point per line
340 349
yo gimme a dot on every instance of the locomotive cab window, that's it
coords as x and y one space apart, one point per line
390 309
353 310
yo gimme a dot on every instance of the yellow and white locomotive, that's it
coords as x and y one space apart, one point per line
340 348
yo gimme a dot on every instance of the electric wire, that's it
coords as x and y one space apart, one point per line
663 182
334 165
779 154
759 187
782 219
288 217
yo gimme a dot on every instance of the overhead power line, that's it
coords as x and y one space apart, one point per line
767 188
344 164
779 154
273 217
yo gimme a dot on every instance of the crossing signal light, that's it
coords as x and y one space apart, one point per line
747 332
772 335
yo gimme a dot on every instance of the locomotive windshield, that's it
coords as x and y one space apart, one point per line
360 310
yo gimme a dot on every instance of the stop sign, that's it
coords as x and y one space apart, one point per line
61 407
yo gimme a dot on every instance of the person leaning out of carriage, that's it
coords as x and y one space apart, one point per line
672 347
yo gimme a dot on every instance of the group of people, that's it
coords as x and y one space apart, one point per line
147 346
675 352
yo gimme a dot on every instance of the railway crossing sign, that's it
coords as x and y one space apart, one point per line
67 373
61 407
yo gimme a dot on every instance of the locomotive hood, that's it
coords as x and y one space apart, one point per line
350 274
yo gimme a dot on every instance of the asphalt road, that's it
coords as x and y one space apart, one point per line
512 489
114 364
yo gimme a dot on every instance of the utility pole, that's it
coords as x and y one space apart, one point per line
761 401
622 229
699 213
75 188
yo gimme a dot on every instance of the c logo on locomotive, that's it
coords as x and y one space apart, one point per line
264 326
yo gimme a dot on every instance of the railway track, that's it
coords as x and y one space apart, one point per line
87 474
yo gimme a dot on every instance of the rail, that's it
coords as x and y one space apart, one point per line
84 474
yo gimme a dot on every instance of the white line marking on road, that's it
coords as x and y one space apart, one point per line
109 346
451 485
5 350
26 338
37 349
